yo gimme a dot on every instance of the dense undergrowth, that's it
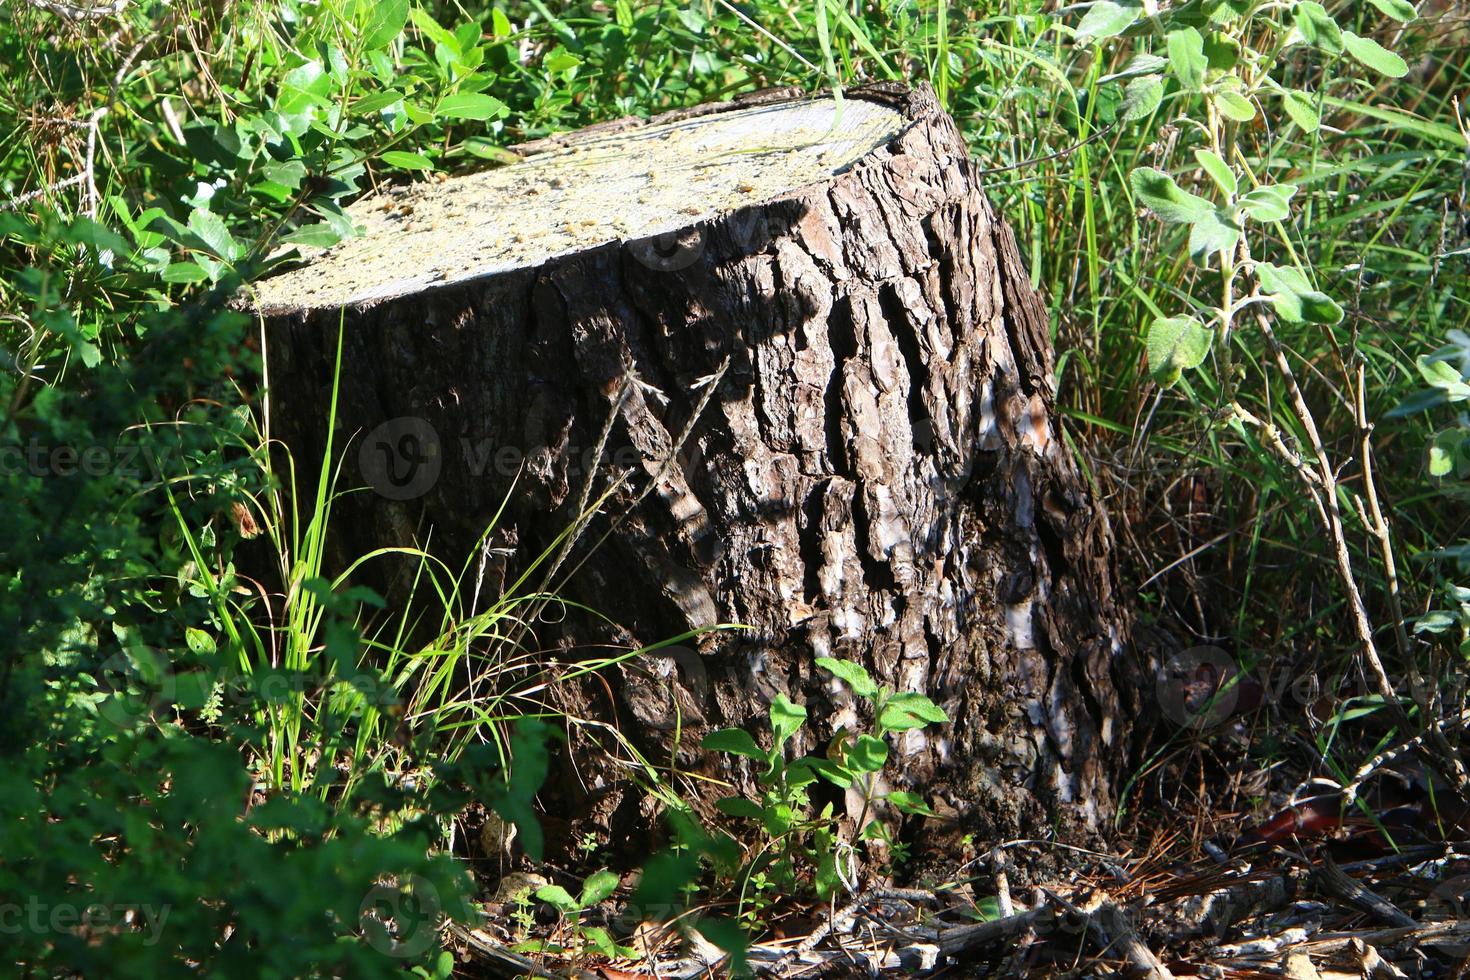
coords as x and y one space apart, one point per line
194 756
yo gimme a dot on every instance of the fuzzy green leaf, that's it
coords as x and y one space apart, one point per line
1221 51
1106 19
1142 96
1439 372
1161 195
1375 55
1214 231
1176 344
1187 57
1233 105
1317 27
1400 10
1271 203
1294 297
1301 108
1218 170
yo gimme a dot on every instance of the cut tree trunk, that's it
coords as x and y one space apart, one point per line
801 329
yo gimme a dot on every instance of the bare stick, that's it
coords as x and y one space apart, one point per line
1139 957
1336 882
1345 572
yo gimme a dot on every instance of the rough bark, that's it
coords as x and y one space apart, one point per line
878 475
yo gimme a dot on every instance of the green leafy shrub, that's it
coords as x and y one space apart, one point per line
798 838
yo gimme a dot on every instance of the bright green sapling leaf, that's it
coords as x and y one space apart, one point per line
430 28
405 160
302 88
786 718
906 710
472 106
738 806
598 886
377 101
557 897
851 674
1176 344
868 754
320 235
212 231
778 819
736 741
184 272
911 803
381 21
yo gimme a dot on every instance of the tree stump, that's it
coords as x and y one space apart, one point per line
802 328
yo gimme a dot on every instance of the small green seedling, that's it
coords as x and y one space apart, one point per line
597 887
852 761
